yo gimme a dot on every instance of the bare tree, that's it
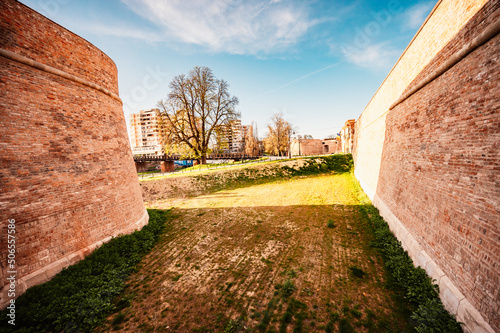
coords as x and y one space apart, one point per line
278 138
196 105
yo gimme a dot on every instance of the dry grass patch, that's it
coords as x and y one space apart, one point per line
264 258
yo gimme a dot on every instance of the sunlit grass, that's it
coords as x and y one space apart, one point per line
314 191
207 169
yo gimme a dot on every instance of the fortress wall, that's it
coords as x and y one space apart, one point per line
447 18
27 33
436 180
66 170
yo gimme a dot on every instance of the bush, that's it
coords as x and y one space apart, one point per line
431 317
81 296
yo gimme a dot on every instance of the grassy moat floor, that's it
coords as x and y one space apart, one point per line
279 256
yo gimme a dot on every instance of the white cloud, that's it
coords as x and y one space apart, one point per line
376 56
416 15
116 31
234 26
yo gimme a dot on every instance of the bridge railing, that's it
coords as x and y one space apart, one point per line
152 158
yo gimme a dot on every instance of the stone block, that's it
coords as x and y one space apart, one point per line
472 319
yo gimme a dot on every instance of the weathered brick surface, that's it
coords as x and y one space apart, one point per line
439 172
66 171
443 25
304 147
27 33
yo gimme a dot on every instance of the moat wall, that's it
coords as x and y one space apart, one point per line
431 161
67 174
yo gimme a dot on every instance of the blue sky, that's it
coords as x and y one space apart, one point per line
318 62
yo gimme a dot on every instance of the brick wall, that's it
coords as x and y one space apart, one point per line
304 147
435 160
66 170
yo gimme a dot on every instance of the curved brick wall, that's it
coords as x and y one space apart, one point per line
66 170
435 179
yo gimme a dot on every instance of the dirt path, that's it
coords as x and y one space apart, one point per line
263 259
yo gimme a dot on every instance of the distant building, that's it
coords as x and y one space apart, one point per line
304 147
347 136
145 132
231 137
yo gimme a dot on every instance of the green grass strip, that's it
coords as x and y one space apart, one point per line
80 297
418 289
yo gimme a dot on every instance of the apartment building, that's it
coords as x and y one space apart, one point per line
145 132
231 138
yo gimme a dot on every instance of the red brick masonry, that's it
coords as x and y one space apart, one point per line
439 179
67 175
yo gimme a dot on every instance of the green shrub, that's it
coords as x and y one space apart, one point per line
432 317
81 296
331 224
418 288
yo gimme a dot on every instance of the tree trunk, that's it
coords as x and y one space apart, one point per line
204 159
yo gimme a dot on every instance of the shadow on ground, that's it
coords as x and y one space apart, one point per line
262 268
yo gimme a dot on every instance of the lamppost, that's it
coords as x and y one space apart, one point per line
290 133
298 137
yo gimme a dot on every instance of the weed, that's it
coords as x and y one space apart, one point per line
329 327
307 291
267 316
331 224
288 288
119 318
291 273
123 302
266 261
356 313
345 326
176 277
357 272
232 326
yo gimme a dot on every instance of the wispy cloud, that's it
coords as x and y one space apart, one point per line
121 31
416 15
233 26
376 56
295 80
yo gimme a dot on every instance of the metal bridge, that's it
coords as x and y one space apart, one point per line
165 157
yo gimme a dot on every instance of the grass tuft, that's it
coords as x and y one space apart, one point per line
357 272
